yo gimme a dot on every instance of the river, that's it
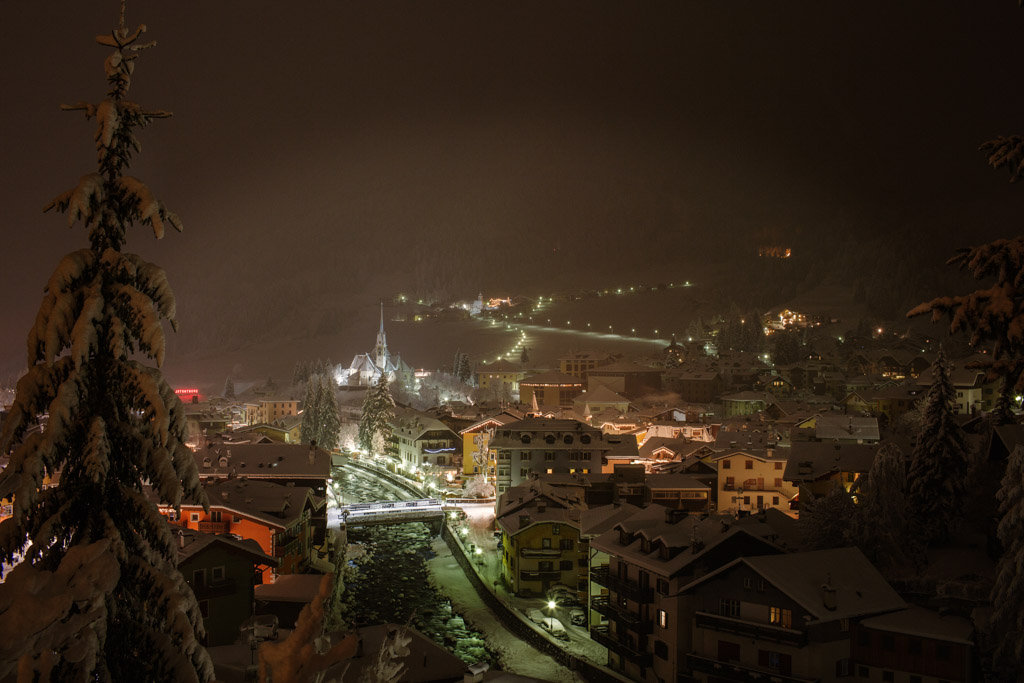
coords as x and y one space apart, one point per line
392 583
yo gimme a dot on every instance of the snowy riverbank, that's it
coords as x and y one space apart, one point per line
519 657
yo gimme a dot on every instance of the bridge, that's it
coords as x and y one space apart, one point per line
389 512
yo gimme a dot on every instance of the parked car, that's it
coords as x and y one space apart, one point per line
577 616
535 615
554 627
563 595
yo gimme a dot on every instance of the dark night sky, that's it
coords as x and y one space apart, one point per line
327 151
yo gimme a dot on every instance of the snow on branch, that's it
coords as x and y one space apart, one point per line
1006 152
49 615
149 209
81 201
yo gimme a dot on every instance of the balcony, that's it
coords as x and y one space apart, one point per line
732 671
540 552
750 629
214 527
602 636
602 605
540 575
629 589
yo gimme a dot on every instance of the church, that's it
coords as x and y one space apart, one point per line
367 368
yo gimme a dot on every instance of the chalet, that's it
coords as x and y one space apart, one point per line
279 518
421 440
820 465
222 571
476 438
285 464
637 609
540 540
783 617
752 480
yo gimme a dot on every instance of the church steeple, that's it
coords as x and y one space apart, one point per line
380 351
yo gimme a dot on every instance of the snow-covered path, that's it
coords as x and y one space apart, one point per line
519 657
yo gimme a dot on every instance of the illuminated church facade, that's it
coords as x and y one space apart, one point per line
367 368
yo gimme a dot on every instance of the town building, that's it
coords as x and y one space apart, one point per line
541 545
550 389
783 617
279 518
221 571
540 445
645 621
578 364
626 379
753 480
501 376
420 440
285 464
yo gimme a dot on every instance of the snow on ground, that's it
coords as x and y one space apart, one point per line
519 657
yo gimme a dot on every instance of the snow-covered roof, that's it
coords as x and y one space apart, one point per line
918 621
190 542
264 461
811 460
859 589
275 504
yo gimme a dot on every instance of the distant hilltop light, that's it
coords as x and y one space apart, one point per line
775 252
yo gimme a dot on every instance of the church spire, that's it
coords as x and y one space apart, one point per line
380 351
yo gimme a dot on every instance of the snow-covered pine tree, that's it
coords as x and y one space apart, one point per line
524 357
937 474
378 412
308 428
229 388
1008 590
825 520
114 423
330 419
880 524
993 316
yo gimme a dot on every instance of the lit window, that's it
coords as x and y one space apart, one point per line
782 617
662 618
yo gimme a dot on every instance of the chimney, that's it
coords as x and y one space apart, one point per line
181 539
224 495
673 515
828 593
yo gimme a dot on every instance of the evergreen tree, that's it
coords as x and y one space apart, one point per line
309 427
327 415
378 412
880 525
229 388
1008 590
463 370
938 468
825 521
787 348
993 316
114 423
301 373
524 357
